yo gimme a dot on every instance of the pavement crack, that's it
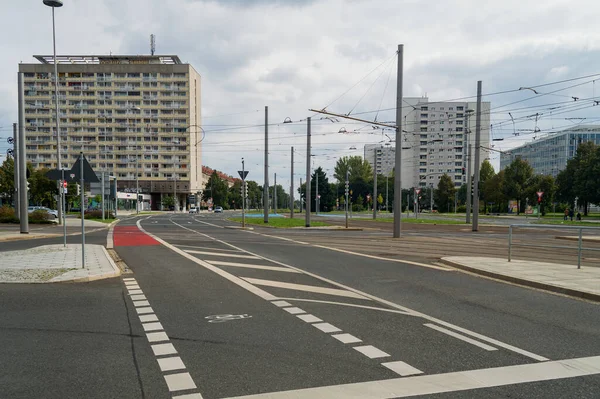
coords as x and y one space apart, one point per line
72 331
133 356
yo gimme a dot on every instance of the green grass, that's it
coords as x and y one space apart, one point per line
411 219
562 222
279 222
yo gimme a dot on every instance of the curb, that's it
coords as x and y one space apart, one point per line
523 282
575 238
29 237
238 228
109 236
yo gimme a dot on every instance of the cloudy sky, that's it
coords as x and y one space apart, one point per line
293 55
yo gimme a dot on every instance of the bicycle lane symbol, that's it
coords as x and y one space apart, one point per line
221 318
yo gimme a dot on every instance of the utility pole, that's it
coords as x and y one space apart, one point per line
292 186
275 194
468 204
102 189
243 194
82 180
307 196
317 192
16 171
22 160
477 156
398 154
431 198
374 183
386 193
266 183
347 189
176 207
300 195
137 183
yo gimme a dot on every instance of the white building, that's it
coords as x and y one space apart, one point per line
435 140
381 157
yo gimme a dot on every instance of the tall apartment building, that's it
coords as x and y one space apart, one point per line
549 155
381 157
130 115
436 138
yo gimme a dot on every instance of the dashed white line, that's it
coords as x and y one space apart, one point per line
309 318
294 310
326 327
371 352
170 363
347 338
163 349
157 336
189 396
461 337
402 368
144 310
148 317
141 303
135 292
179 382
152 326
281 303
138 297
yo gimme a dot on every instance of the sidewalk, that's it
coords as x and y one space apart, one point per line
13 231
565 279
55 263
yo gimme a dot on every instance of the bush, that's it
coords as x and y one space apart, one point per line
7 211
461 209
357 208
97 214
9 219
39 215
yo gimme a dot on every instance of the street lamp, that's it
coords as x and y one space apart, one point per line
54 4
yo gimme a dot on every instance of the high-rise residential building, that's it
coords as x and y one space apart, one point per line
381 157
129 115
549 155
435 140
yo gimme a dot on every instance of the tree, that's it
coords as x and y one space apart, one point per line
254 194
357 167
493 191
41 189
579 178
217 189
168 201
234 196
327 200
544 183
379 200
7 182
516 179
486 172
444 193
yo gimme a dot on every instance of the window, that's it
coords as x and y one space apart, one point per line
460 108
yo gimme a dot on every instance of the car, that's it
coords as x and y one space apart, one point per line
193 209
218 209
52 212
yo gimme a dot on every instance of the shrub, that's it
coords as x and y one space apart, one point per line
357 208
461 209
40 217
6 211
9 219
97 214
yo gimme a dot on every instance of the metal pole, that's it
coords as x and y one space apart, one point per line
317 192
398 154
137 184
24 220
301 195
374 183
243 195
58 159
266 183
116 196
292 186
82 212
307 196
176 204
455 201
477 157
16 171
510 229
63 204
386 193
468 204
102 184
275 194
431 198
347 190
579 249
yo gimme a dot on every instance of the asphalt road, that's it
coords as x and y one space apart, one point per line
270 314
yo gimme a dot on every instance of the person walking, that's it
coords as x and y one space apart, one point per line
571 214
566 213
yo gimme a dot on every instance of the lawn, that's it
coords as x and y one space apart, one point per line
279 222
411 219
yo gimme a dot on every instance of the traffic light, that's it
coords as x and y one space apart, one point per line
78 189
463 171
140 198
28 186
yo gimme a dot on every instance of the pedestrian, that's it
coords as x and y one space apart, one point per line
571 214
579 216
566 213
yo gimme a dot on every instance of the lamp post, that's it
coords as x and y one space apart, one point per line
54 4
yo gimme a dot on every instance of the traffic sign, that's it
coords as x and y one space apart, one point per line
243 174
418 191
65 184
540 193
72 175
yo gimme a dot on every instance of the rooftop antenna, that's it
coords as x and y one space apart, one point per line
152 44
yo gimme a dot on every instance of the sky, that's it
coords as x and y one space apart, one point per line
296 55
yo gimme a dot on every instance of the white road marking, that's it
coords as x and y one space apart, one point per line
189 396
130 283
210 224
234 279
284 239
148 317
163 349
294 310
371 351
281 303
179 382
347 338
155 326
144 310
141 303
461 337
261 267
303 287
402 368
191 251
138 297
326 327
212 248
128 279
354 305
423 385
170 363
309 318
157 336
135 292
445 269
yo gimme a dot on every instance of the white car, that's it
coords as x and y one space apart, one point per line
193 209
52 212
218 209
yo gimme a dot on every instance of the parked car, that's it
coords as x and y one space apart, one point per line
52 212
193 209
218 209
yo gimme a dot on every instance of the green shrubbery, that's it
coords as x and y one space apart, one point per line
7 215
97 214
40 217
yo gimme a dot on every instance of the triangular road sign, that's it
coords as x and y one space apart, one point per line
89 175
243 174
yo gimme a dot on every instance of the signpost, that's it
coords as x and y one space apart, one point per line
539 194
347 188
416 202
243 173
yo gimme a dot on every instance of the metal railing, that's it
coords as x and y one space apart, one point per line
580 247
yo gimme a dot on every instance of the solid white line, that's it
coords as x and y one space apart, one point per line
154 326
210 224
236 280
281 303
163 349
383 301
347 338
423 385
303 287
326 327
196 247
191 251
179 382
294 310
351 305
261 267
170 363
144 310
445 269
141 303
309 318
371 352
461 337
157 336
284 239
402 368
145 318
